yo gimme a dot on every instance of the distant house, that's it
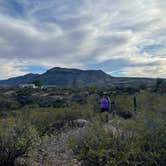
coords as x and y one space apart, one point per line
34 86
28 86
48 86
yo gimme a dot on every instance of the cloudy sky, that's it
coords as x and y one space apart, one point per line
121 37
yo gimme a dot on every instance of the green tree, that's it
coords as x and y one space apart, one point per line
38 83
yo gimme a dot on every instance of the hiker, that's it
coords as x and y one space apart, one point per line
105 106
135 103
113 107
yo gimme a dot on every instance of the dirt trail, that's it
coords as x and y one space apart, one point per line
54 152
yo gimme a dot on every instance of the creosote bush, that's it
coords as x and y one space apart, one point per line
137 141
15 142
8 105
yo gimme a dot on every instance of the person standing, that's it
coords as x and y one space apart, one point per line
135 103
105 106
113 107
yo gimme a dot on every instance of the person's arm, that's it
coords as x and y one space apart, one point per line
109 100
109 103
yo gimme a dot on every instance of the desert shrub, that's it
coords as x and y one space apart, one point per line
95 147
154 147
7 104
38 117
163 88
134 142
131 90
24 97
124 106
56 102
160 86
151 102
45 101
78 98
143 87
3 114
44 118
98 148
74 112
126 114
93 102
15 141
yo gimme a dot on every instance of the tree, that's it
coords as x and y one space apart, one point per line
38 83
159 82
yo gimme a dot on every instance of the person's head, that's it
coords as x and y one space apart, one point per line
104 95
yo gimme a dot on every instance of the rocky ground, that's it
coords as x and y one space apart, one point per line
54 152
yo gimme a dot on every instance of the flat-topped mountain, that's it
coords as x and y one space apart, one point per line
64 77
74 77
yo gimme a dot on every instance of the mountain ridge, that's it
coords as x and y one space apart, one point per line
67 77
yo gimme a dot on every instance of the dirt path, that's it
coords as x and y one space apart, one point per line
54 152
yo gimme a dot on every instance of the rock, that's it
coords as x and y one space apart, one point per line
110 129
20 162
80 123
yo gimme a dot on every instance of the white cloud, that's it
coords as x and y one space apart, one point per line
10 68
146 71
79 33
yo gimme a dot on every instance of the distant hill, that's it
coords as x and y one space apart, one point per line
15 81
63 77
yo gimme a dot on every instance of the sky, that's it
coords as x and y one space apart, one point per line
122 37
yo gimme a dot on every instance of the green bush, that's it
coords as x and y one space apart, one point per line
96 147
15 141
44 118
8 105
24 97
132 143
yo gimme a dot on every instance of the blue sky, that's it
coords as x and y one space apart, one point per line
122 37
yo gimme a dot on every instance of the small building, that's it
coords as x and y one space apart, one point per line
28 86
48 86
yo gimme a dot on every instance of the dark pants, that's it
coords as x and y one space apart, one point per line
106 118
104 109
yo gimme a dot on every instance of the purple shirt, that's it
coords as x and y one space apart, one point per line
104 103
